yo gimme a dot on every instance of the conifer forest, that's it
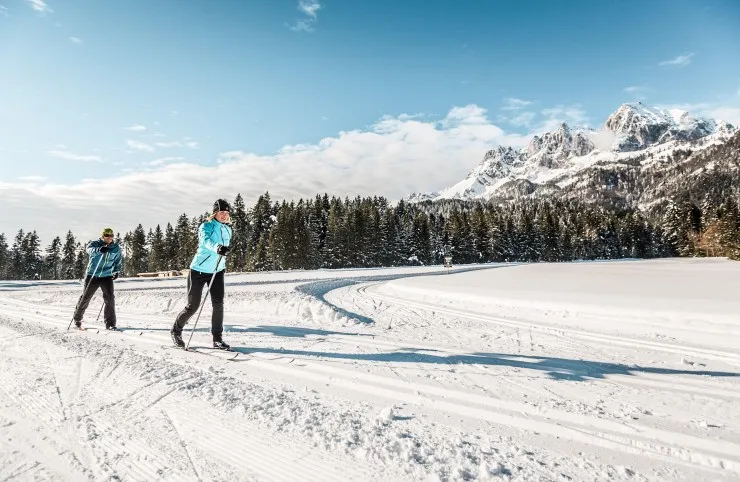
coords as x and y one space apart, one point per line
331 232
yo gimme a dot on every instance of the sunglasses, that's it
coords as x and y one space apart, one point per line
107 235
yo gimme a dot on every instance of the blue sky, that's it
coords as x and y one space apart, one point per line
121 112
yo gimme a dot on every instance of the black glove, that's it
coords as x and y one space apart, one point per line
115 276
104 249
222 250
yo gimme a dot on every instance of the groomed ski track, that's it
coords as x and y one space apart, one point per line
340 376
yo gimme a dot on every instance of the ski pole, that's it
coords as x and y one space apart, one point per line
101 310
204 300
84 291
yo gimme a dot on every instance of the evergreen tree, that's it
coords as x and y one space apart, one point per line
156 260
729 228
138 253
480 233
69 256
170 249
676 230
16 256
32 262
81 262
334 244
53 259
4 257
241 233
187 239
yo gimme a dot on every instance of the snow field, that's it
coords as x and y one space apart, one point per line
506 372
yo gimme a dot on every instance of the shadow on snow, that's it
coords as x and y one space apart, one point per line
555 368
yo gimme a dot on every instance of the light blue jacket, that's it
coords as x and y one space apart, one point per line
211 234
110 262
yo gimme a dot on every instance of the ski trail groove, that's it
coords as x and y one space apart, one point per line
184 445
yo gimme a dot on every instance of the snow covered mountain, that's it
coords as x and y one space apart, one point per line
578 160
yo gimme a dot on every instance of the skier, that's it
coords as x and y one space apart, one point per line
209 263
103 267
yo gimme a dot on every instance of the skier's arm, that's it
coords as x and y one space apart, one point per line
117 262
92 248
206 233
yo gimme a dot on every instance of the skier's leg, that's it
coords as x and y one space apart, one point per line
217 302
106 286
85 297
196 281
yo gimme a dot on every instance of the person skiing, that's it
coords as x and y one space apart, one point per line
102 269
209 263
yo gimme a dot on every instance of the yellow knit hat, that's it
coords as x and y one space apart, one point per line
106 231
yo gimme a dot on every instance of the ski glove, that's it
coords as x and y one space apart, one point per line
222 250
104 249
115 276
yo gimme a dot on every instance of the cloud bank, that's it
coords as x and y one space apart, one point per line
394 157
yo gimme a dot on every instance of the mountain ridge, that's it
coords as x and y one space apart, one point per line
634 137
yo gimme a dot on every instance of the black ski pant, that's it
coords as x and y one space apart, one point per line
106 286
196 282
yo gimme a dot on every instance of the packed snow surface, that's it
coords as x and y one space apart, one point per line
624 370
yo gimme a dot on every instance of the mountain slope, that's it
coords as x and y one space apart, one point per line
611 165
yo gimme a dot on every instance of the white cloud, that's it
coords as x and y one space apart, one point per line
728 110
170 144
3 11
139 146
524 119
512 103
75 40
70 156
39 6
517 116
302 26
680 61
635 88
32 178
726 113
136 128
394 157
470 115
544 120
164 160
310 9
573 115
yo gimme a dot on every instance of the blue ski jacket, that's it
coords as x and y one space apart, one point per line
110 262
211 235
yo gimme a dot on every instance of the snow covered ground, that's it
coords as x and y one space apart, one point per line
624 370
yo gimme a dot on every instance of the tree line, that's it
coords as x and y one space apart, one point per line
326 232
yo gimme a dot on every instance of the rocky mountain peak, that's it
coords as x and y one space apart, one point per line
634 134
638 126
553 149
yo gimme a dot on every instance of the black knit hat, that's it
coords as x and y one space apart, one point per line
221 205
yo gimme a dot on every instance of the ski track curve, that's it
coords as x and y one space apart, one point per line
168 403
632 438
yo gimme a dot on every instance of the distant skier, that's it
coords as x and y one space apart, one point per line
103 267
214 236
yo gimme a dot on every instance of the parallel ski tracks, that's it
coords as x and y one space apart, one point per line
718 457
365 290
